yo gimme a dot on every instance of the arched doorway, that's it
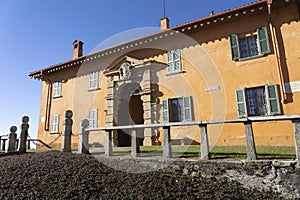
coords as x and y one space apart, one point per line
130 112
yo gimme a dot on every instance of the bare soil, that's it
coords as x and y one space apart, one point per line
57 175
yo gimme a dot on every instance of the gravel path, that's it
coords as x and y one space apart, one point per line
56 175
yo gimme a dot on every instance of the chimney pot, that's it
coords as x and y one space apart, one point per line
77 49
212 13
164 23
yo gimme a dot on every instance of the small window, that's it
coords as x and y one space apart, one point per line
55 123
57 89
93 118
258 101
250 46
94 80
174 61
177 109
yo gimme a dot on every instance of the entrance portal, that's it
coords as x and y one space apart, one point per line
130 113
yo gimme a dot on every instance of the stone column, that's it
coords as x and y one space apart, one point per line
296 124
12 137
108 143
3 147
135 144
167 143
148 136
84 138
204 142
251 151
24 134
67 133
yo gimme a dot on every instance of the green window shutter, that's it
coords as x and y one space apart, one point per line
165 111
263 40
187 108
241 103
273 100
177 60
170 62
234 45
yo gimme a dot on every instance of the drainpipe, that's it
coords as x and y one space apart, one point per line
48 104
276 52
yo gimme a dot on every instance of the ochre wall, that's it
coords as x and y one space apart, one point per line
207 63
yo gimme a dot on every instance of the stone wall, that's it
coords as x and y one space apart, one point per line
282 177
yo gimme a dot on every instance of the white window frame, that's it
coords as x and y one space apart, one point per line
93 118
57 87
94 80
55 124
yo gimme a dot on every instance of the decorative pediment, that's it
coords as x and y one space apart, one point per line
122 67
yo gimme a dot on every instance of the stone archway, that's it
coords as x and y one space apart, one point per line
129 99
128 111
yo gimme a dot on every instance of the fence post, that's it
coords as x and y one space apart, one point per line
12 137
67 133
3 147
167 143
84 138
251 151
135 144
24 134
204 142
296 124
108 143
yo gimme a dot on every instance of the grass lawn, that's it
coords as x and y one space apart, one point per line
193 151
216 152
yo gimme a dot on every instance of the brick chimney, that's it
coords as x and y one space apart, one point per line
164 23
77 49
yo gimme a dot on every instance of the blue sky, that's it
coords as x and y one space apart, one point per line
35 34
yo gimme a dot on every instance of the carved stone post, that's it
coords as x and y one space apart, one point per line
296 124
84 138
167 143
204 142
12 137
24 134
135 144
3 147
251 151
108 143
67 133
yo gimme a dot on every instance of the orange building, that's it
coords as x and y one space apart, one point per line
235 64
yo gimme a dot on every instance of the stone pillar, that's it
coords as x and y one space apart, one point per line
135 144
84 138
12 137
204 142
148 136
24 134
296 124
251 151
108 143
67 133
167 143
3 144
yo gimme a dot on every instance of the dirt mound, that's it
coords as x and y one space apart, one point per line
56 175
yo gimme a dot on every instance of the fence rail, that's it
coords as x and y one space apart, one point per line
204 146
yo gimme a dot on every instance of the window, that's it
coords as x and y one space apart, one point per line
250 46
177 109
174 61
55 123
93 118
94 80
57 89
259 101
